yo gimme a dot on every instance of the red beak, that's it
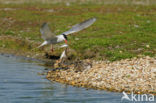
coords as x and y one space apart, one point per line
65 41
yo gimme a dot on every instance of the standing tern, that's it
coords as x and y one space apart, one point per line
50 37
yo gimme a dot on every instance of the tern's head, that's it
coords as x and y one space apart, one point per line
65 36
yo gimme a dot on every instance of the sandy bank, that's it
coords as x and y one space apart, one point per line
137 75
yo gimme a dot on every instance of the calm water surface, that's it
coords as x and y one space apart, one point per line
20 83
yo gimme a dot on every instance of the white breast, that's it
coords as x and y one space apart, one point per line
60 38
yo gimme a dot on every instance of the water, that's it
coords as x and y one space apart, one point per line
20 83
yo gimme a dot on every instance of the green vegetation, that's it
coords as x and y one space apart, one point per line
121 31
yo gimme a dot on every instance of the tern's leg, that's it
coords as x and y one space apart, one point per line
52 48
66 51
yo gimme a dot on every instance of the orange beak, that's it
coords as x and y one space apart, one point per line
65 41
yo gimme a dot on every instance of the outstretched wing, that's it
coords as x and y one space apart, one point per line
46 32
80 26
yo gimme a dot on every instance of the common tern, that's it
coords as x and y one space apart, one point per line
50 37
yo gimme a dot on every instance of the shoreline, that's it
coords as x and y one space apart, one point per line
136 74
88 77
114 76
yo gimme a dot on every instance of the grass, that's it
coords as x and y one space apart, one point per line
121 31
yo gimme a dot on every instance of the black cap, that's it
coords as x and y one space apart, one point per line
65 36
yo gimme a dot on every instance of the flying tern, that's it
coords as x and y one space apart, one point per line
50 37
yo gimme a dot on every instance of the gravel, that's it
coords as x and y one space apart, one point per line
136 74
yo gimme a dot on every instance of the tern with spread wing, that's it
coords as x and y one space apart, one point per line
50 37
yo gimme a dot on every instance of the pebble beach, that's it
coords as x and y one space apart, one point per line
136 74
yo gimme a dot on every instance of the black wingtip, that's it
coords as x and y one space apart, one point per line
44 24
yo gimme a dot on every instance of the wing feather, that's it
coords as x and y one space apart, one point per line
46 32
80 26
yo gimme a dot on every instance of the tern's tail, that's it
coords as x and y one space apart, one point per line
44 43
